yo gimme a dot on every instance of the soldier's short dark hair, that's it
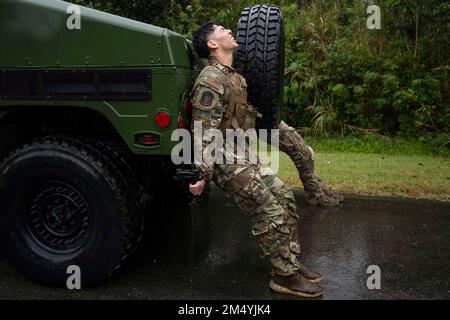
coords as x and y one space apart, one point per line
200 39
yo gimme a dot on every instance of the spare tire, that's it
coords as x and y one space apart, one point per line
260 59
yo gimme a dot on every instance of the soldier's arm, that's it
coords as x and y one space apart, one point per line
208 108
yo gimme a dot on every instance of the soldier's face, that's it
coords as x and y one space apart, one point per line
222 39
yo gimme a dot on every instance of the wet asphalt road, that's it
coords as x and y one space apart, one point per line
408 239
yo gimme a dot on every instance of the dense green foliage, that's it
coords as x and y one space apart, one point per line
347 77
340 76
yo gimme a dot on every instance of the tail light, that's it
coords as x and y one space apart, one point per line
148 139
162 119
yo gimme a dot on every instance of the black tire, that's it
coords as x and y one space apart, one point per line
260 59
68 201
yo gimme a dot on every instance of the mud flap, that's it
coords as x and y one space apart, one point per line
177 230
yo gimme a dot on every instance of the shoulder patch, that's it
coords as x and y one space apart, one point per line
206 99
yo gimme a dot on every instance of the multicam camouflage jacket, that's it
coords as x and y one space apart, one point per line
219 100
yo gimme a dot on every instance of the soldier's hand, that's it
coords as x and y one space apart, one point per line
197 188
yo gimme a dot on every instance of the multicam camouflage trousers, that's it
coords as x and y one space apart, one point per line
272 210
301 154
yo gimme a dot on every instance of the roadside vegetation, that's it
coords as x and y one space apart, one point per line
368 167
417 176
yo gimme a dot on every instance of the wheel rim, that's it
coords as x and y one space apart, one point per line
57 217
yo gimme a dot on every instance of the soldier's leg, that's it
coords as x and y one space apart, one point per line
267 217
269 226
286 198
303 157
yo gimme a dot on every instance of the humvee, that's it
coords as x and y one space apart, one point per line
88 102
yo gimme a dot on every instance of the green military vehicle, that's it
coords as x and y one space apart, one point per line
88 103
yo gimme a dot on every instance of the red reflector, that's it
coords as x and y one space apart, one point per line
162 119
149 140
180 121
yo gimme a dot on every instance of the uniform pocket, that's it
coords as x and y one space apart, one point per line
250 198
260 228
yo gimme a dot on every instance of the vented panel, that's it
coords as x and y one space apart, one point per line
76 84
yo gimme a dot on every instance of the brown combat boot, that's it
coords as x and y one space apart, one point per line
308 274
337 196
320 198
316 194
296 285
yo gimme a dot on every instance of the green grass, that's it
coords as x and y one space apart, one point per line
416 175
378 144
372 174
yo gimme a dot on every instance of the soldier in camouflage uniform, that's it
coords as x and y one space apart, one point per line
219 100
